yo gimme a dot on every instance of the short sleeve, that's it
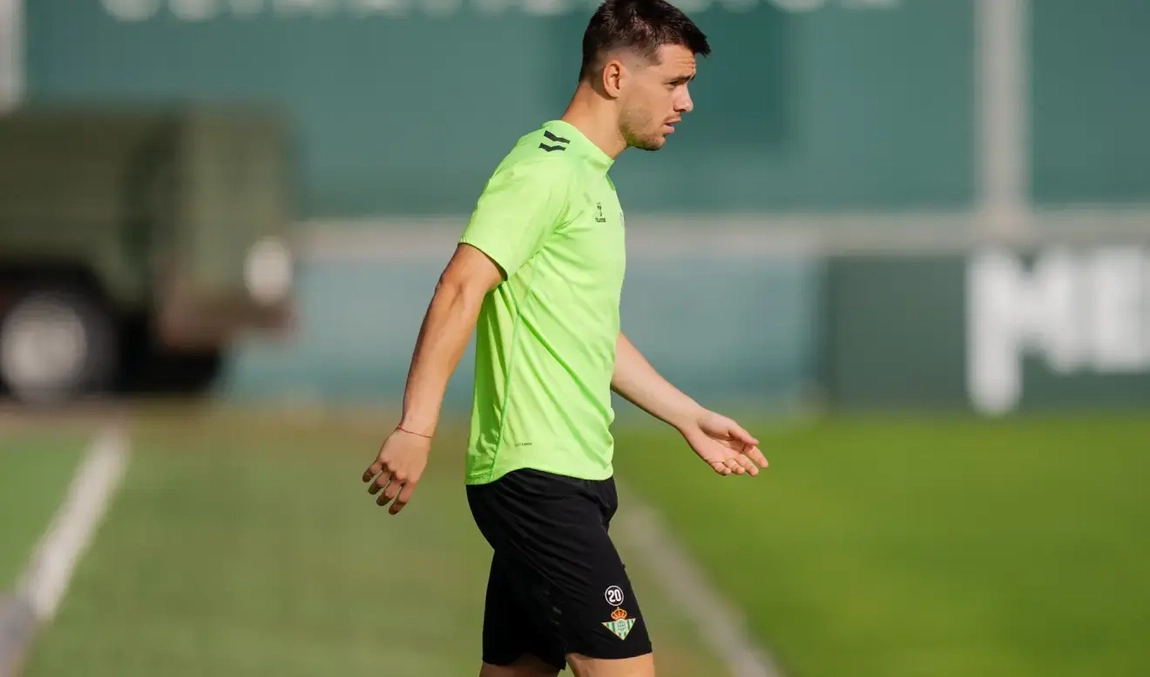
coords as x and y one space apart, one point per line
520 206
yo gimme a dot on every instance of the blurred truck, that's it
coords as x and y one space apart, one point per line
136 246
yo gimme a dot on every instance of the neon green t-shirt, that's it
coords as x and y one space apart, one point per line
545 338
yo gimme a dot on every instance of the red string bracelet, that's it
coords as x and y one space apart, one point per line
412 432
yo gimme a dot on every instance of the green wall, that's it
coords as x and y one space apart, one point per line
407 114
893 332
1091 101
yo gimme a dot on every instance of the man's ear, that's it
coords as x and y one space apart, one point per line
614 75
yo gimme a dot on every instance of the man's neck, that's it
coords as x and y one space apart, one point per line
596 119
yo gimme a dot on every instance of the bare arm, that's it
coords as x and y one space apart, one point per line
637 381
443 336
719 441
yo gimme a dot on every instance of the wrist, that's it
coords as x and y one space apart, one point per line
412 433
424 427
688 417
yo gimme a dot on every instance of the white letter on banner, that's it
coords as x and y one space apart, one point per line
798 6
297 7
195 10
1008 313
366 7
132 10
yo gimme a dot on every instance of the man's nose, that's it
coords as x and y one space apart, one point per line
685 104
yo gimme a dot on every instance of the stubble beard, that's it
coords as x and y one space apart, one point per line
631 125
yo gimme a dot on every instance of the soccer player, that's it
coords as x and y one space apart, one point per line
537 275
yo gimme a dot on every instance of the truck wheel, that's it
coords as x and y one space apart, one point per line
56 346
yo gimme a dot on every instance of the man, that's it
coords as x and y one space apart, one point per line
538 274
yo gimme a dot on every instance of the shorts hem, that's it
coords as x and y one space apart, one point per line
643 650
559 663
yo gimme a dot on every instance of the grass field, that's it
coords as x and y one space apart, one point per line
882 548
243 545
250 547
35 469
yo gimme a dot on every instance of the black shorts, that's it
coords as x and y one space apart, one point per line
557 584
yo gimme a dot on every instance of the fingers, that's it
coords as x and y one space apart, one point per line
740 465
393 476
733 466
747 465
402 499
738 433
372 471
721 467
392 491
384 476
746 462
757 457
393 486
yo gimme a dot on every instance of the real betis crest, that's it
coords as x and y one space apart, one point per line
621 625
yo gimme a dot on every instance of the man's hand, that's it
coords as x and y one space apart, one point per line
724 444
718 440
398 468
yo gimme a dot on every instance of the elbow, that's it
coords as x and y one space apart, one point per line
467 279
460 294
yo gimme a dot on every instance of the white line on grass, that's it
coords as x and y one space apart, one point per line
46 578
721 627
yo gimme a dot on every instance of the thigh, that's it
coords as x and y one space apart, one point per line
639 666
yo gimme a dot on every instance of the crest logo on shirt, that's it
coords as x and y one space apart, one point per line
599 213
619 625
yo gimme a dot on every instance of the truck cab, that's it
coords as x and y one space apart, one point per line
136 246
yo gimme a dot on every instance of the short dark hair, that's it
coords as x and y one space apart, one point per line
641 25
